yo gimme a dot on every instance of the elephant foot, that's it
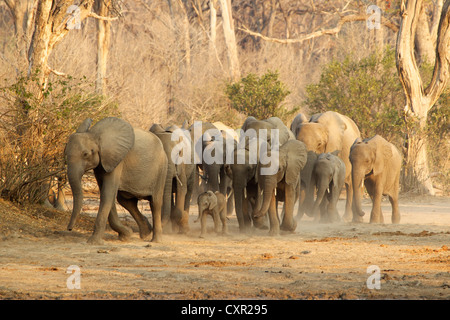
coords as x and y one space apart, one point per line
95 240
125 235
157 238
274 233
145 234
288 226
347 217
357 219
395 219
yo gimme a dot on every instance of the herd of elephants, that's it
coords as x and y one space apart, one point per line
316 157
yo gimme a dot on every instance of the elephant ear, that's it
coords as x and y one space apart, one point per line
156 128
335 126
84 127
115 139
382 154
212 200
295 160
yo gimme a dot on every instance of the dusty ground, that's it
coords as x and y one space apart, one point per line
318 261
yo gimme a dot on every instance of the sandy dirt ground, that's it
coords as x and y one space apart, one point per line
318 261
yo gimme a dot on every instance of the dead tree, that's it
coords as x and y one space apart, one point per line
420 99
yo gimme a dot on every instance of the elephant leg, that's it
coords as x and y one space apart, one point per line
223 218
321 215
216 218
300 208
230 203
395 209
203 224
273 217
348 214
288 223
130 204
108 191
332 212
376 215
156 204
115 223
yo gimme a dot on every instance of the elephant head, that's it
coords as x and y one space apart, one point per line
102 147
368 157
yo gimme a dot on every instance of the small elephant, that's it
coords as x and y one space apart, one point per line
329 177
376 163
214 204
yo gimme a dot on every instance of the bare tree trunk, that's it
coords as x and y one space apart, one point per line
230 39
186 39
103 41
22 12
50 28
420 100
212 34
424 43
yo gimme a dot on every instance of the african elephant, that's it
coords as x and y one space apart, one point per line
285 181
213 164
329 177
178 175
245 188
214 204
243 172
376 163
128 163
327 132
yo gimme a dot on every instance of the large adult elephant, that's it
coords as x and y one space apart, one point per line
376 163
282 185
179 181
243 171
128 163
327 132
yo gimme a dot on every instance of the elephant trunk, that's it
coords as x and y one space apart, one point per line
268 190
308 202
75 174
357 180
238 203
320 194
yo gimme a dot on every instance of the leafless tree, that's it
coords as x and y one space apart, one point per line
420 98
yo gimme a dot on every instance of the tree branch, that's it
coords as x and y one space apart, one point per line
96 16
344 19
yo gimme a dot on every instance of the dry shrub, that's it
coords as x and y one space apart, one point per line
33 134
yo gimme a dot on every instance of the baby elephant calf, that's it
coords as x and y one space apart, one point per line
213 204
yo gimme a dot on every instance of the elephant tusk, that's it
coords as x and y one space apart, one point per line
179 181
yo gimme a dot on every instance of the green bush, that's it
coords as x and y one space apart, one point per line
260 97
368 91
34 131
